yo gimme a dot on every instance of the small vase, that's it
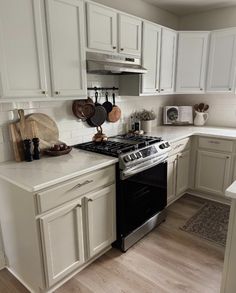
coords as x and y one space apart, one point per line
200 118
146 126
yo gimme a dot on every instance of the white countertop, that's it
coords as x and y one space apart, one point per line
36 175
231 191
48 171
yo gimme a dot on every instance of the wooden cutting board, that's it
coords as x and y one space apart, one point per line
34 125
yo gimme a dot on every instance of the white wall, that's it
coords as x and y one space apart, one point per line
214 19
144 10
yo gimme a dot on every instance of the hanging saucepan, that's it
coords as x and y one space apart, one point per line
107 105
99 116
115 113
83 109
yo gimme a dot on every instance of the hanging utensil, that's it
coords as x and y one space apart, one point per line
83 109
115 113
99 116
100 137
107 105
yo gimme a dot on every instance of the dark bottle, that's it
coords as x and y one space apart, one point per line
27 150
36 152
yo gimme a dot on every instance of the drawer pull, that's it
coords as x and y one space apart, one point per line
90 199
214 141
79 206
82 184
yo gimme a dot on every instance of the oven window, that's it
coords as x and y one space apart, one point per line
144 195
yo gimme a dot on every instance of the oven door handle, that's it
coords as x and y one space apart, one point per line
137 170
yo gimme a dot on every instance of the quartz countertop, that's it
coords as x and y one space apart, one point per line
231 191
37 175
48 171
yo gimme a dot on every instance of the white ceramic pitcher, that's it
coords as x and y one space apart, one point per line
200 118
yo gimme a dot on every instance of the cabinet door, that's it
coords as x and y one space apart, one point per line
101 220
221 71
101 28
62 239
182 182
171 178
130 35
168 60
191 62
22 49
66 43
213 172
151 58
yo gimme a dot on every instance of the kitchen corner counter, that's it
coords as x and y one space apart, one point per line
231 191
175 133
37 175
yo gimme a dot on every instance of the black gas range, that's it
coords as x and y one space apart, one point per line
141 183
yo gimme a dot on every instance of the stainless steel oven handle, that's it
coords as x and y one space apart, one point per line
137 170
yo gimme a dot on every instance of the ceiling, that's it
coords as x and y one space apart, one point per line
184 7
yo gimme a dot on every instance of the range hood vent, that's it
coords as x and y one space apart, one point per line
98 63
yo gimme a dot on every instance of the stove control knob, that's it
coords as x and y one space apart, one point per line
133 157
138 155
162 146
127 159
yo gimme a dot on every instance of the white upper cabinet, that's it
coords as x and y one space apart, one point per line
23 55
130 34
101 28
222 61
168 60
191 63
65 20
151 58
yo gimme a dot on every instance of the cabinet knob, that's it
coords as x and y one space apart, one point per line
227 157
122 49
57 93
114 47
157 90
162 90
79 206
201 89
230 89
44 92
90 199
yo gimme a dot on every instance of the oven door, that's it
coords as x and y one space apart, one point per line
141 196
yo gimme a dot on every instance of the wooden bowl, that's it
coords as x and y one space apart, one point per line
49 152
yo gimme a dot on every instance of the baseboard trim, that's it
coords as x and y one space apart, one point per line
20 280
215 198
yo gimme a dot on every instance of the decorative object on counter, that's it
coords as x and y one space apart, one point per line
178 115
27 150
83 109
99 116
115 113
36 151
201 116
58 150
100 137
146 117
107 105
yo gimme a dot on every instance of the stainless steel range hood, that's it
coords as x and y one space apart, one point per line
99 63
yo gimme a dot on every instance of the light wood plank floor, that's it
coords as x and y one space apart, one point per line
166 260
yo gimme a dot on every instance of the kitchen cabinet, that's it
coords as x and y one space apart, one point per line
183 164
168 60
23 52
67 50
101 215
101 28
151 53
62 239
191 62
222 61
159 58
213 172
130 34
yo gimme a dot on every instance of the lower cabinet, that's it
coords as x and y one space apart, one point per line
62 239
178 175
76 232
213 172
101 226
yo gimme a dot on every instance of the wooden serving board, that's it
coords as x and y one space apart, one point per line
34 125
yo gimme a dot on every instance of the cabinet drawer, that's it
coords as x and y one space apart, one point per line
180 146
216 144
63 193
